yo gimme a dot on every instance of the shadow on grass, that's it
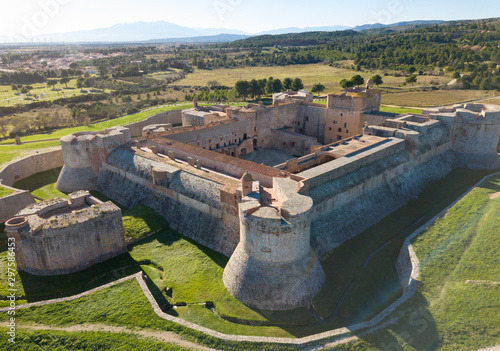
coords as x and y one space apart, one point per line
415 328
38 288
38 180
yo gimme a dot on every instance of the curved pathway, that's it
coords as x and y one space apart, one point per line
162 336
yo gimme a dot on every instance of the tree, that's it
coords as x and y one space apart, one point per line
456 75
43 64
242 88
297 84
344 83
277 85
89 82
65 81
73 65
411 79
213 83
75 113
255 88
412 70
377 80
52 83
25 90
103 70
13 86
357 80
80 83
318 88
287 83
485 84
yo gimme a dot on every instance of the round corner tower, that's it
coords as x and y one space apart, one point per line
274 266
81 163
476 136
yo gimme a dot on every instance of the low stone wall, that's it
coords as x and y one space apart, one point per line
13 203
173 117
31 165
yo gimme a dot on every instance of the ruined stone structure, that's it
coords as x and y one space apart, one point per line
275 221
63 236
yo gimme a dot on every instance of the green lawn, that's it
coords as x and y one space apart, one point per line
76 341
400 110
5 191
141 221
42 185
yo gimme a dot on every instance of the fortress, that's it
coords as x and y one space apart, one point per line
275 187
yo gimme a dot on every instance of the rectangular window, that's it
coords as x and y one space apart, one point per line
340 130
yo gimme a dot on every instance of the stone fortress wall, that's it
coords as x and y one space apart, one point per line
63 236
350 184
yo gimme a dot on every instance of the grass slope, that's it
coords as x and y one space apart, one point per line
5 191
42 185
447 313
75 341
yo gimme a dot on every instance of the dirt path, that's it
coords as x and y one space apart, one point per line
163 336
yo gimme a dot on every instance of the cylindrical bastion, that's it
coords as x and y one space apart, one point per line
274 266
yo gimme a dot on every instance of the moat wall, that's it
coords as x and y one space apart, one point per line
357 200
189 203
30 165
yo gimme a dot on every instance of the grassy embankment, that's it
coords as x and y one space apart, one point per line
194 273
449 313
75 341
5 191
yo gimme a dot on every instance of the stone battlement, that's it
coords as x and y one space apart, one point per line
63 236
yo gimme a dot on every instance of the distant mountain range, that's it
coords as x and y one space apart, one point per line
399 24
165 32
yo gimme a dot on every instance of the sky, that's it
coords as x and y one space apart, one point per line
251 16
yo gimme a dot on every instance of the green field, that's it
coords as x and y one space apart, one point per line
194 273
434 98
310 74
5 192
8 96
400 110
